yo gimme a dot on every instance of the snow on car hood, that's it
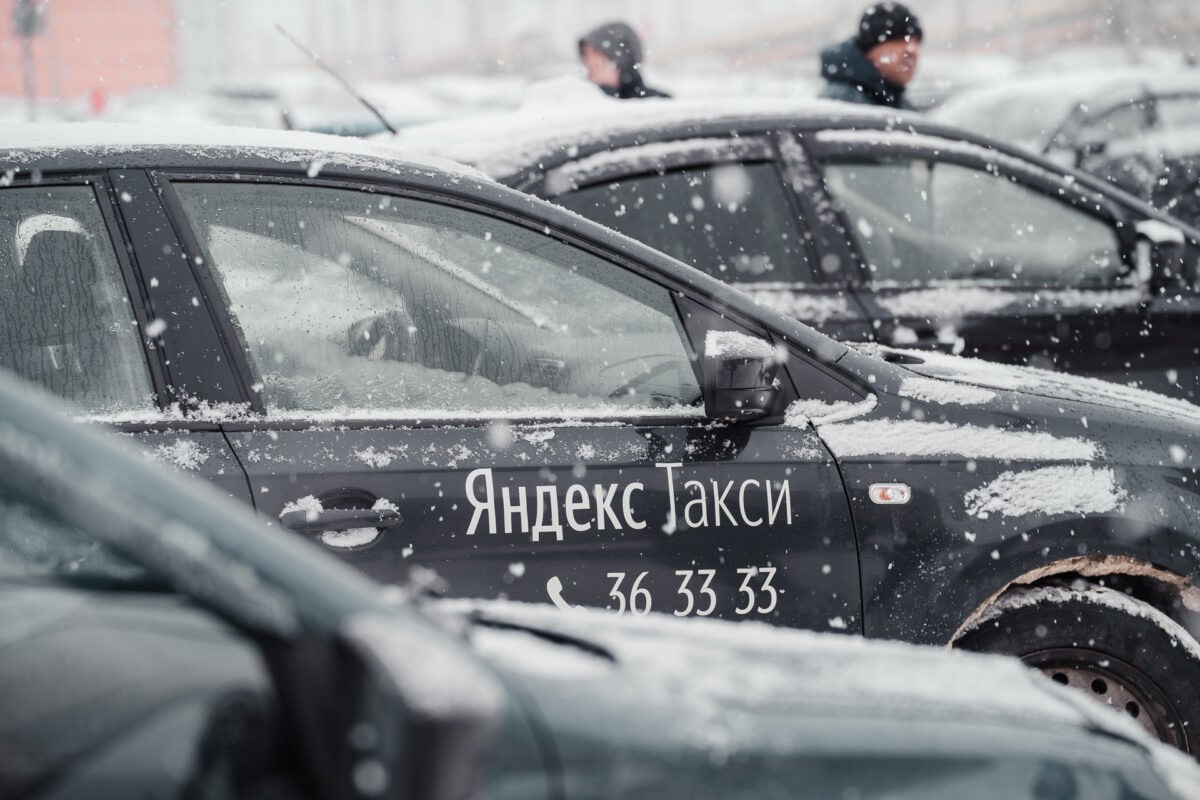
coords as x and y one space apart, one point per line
753 670
1034 381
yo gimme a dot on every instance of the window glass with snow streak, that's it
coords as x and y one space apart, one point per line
733 221
65 316
918 221
359 303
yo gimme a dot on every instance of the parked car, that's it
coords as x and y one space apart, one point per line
874 226
158 642
412 364
1136 127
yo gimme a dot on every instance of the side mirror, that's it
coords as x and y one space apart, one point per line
416 730
739 376
1160 256
387 707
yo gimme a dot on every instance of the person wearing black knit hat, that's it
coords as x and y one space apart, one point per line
612 55
874 66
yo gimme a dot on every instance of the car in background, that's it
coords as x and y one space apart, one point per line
874 226
159 642
1136 127
413 365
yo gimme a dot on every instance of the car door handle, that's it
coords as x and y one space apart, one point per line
339 519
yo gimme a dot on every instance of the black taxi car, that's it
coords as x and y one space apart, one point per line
874 226
157 642
413 365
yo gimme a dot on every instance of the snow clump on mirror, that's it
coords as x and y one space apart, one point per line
732 344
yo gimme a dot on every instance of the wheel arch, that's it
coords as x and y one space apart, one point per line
1168 591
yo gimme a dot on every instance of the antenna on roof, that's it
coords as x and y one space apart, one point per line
345 83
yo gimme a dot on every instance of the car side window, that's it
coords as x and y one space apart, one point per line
733 221
359 303
1178 111
1121 122
918 221
65 313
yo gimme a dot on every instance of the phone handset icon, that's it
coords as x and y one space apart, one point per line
554 588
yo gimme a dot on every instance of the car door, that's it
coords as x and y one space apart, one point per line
75 321
973 251
725 206
434 385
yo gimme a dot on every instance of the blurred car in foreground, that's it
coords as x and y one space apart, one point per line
157 642
1136 127
412 364
874 227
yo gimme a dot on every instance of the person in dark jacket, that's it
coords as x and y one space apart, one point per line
875 65
612 55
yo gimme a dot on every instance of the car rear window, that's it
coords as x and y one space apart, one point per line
65 316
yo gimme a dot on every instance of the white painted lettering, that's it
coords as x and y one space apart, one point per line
700 502
576 499
672 519
546 497
488 505
627 506
604 507
746 518
719 503
785 497
512 509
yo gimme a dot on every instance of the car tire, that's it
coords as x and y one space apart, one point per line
1119 650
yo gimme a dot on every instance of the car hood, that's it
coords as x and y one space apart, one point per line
1035 382
609 688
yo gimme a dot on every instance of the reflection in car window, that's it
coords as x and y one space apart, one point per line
64 311
36 543
352 302
732 221
917 221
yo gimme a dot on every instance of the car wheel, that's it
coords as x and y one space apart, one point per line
1120 651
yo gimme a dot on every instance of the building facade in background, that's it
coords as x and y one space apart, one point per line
86 51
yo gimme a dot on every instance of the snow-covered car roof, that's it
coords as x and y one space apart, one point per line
504 144
1044 101
78 145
